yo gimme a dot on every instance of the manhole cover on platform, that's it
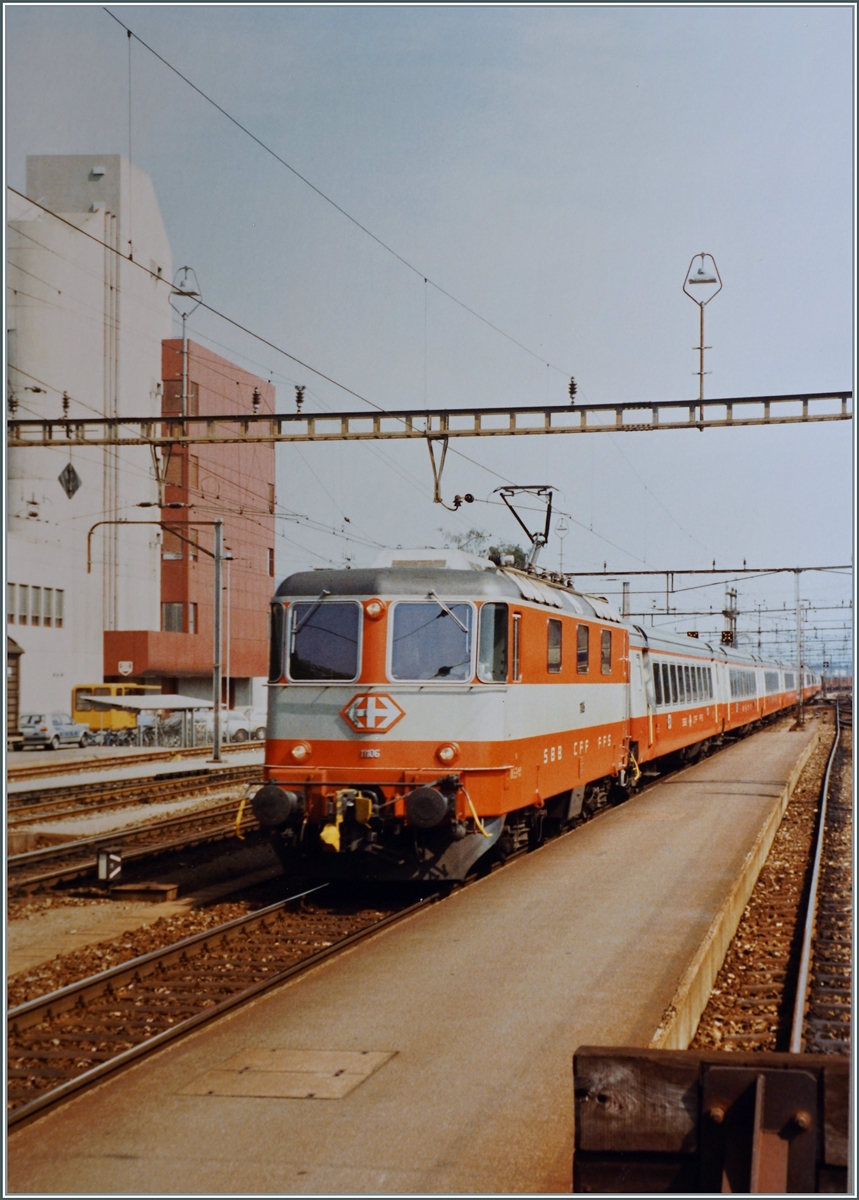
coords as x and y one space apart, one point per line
290 1074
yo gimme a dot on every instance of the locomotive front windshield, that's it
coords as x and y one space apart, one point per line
323 640
432 641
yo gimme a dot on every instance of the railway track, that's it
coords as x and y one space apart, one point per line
26 872
73 1037
821 1021
69 1039
763 983
111 761
24 808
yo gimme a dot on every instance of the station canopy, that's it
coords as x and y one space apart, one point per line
151 703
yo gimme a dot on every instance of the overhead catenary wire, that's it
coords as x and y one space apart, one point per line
328 200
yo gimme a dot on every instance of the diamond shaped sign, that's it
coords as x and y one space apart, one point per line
69 479
372 712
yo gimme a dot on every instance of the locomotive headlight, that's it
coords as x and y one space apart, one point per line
447 753
301 751
375 609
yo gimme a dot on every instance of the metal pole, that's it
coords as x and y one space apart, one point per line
701 358
799 712
185 367
216 661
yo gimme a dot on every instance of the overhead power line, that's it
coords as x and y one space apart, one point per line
323 195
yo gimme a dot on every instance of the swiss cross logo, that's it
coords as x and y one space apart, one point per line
372 712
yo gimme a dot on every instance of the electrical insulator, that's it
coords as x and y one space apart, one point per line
299 397
66 404
256 400
572 389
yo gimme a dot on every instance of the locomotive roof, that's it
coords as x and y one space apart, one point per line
491 583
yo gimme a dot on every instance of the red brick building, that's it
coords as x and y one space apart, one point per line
231 481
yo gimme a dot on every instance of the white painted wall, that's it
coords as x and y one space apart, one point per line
89 323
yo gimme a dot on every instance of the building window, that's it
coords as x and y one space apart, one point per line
171 545
171 618
194 544
192 618
193 473
582 649
36 606
173 475
271 497
270 561
23 603
59 595
48 606
10 603
605 657
553 664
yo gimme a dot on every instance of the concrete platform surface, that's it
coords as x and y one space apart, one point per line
78 774
480 1002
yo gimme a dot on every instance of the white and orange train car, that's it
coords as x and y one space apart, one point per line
435 712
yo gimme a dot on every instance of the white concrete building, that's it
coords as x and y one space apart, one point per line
84 332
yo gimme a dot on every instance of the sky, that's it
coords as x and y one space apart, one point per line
552 168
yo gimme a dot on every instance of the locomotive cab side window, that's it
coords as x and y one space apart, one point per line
323 640
517 646
582 638
492 639
276 640
432 640
555 634
657 681
605 652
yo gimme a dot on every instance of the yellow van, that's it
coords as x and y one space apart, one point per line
106 718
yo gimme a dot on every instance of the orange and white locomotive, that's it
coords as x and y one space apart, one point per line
436 712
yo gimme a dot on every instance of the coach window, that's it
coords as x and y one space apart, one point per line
323 640
605 652
582 635
432 640
673 672
695 691
666 685
657 682
554 646
517 646
492 643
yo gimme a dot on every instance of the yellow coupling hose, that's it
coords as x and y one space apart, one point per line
477 822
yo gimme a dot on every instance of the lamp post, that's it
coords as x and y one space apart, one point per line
703 275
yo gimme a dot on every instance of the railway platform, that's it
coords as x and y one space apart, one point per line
437 1055
52 769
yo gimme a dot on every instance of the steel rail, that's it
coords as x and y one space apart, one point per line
811 910
435 424
106 763
130 854
34 1011
123 793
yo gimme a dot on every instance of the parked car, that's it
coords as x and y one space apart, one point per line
238 725
53 730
